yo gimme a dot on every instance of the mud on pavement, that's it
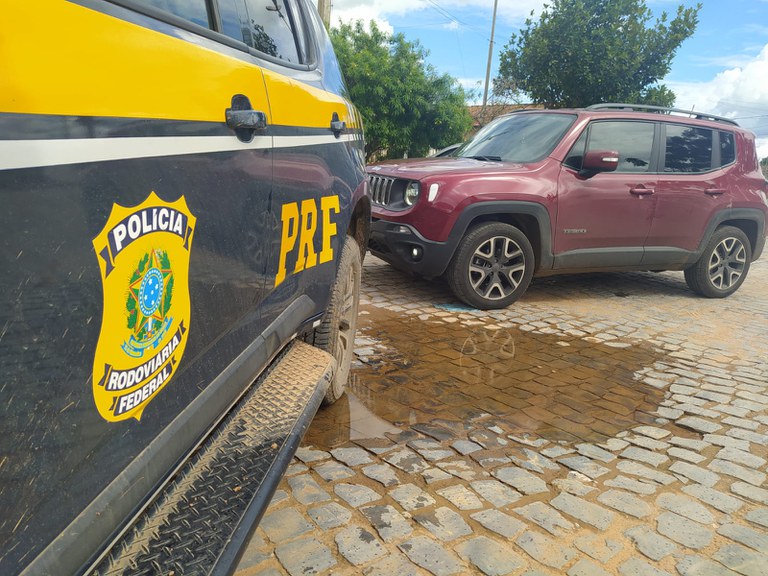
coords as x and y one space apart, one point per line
603 424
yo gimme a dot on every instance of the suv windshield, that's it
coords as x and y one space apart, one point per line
519 137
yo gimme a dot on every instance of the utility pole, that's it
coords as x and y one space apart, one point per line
324 7
490 54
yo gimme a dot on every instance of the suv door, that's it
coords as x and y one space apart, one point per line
692 188
603 219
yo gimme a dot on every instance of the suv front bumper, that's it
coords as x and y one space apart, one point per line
404 248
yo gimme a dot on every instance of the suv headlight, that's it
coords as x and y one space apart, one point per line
411 193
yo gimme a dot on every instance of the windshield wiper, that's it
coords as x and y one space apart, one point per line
487 158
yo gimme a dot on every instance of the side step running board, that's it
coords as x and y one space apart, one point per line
202 519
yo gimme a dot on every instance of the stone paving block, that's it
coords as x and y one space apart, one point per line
375 445
687 455
755 539
255 553
395 564
698 424
625 503
306 490
431 556
309 454
384 474
356 495
332 471
752 492
585 466
741 457
488 439
741 423
305 557
598 547
540 460
645 456
465 447
698 566
595 452
718 500
495 492
651 544
388 522
521 480
695 473
432 475
435 455
690 443
586 567
548 551
461 497
458 468
406 460
352 456
636 469
358 546
754 477
285 524
444 523
614 444
546 517
490 557
496 521
637 567
278 497
748 435
648 443
296 468
685 506
490 459
727 441
330 515
632 485
743 560
436 431
652 432
556 451
573 486
684 531
584 511
758 516
411 497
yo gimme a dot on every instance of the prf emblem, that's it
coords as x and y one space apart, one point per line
143 255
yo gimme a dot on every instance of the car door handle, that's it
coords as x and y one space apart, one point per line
337 126
243 119
714 191
642 191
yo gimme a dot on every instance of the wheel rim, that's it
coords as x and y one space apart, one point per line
497 268
727 263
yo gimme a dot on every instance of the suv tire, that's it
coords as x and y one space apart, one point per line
723 265
336 333
492 267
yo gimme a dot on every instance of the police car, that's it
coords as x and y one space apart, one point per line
184 218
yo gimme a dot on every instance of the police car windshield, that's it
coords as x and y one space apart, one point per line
522 138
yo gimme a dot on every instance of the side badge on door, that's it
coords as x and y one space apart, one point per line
143 255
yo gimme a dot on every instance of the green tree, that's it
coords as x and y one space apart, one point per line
407 107
583 52
764 166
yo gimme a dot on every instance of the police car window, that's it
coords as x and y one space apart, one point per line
632 140
727 148
688 149
273 27
192 10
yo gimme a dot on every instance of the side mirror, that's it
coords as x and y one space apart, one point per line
596 161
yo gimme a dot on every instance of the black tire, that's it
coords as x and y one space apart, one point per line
723 265
492 267
336 332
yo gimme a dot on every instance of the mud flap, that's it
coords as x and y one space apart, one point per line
201 521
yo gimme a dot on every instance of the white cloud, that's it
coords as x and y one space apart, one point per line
740 93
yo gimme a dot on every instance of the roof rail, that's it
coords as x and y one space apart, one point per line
662 110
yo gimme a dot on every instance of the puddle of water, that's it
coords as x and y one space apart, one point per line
557 387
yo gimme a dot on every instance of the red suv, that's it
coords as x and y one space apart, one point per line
608 188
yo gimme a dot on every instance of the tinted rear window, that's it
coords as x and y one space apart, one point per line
688 149
519 138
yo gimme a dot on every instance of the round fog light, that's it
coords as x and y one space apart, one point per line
416 253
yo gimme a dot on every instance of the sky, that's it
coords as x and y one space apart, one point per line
722 69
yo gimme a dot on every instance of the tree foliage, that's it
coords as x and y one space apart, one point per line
583 52
407 107
764 166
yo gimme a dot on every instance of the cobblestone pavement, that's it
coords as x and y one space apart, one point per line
603 424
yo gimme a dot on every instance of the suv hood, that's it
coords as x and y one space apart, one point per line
419 168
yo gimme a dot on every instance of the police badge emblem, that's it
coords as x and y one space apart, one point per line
143 255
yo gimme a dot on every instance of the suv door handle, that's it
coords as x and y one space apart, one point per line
337 126
243 119
714 191
642 191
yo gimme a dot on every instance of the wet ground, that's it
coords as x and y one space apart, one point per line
602 424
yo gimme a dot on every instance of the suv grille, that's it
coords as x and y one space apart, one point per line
381 189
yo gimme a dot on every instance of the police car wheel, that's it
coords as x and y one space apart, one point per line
336 333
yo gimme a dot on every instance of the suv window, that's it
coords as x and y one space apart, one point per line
272 27
192 10
632 140
727 148
688 149
519 137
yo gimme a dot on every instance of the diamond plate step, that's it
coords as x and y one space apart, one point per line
202 518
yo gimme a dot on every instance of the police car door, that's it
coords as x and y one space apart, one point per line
135 179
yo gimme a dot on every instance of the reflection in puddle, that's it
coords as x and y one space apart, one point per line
558 387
